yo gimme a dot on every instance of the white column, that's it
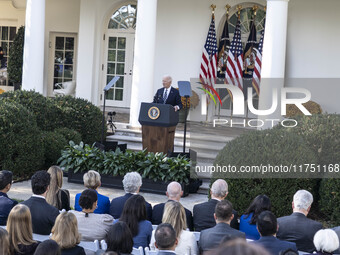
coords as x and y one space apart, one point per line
33 62
274 56
144 57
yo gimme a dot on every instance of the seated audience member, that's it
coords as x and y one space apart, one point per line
134 215
326 241
174 214
248 220
4 242
289 252
204 212
6 204
91 226
174 193
92 180
132 183
297 227
43 214
165 239
119 239
267 226
238 247
210 238
65 233
19 227
57 197
48 247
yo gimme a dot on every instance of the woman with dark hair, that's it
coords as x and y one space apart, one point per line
134 215
48 247
91 226
119 239
248 219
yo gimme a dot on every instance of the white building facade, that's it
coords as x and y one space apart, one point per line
91 41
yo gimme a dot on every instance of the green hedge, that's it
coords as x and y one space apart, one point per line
21 149
53 143
330 200
69 134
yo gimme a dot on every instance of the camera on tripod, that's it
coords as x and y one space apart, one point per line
110 123
111 113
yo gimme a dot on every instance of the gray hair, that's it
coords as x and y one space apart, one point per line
219 188
91 179
131 182
174 189
326 240
302 199
167 76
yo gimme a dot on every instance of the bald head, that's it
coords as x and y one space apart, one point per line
174 191
219 189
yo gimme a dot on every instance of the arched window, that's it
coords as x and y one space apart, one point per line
124 18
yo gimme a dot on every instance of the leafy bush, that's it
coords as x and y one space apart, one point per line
48 116
155 166
21 149
69 134
16 54
311 106
330 199
273 147
82 116
53 143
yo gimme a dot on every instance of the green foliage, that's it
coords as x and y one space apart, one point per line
21 149
69 134
82 116
330 199
53 143
155 166
16 53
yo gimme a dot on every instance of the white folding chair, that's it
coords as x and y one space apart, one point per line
67 88
90 247
40 238
137 251
197 235
154 227
148 252
103 245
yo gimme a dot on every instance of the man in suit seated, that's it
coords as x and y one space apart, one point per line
165 239
43 214
337 231
132 182
212 237
6 204
297 227
174 193
267 227
204 212
168 95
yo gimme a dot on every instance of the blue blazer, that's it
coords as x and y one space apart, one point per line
249 229
143 237
103 205
6 205
173 98
274 245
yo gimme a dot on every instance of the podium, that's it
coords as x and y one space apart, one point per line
158 127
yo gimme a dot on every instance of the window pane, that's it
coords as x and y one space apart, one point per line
120 82
120 69
69 57
59 57
4 33
12 33
68 71
121 42
111 68
112 42
111 55
109 78
58 71
59 43
69 43
119 95
110 94
55 81
4 46
121 56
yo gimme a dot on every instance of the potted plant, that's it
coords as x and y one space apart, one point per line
15 60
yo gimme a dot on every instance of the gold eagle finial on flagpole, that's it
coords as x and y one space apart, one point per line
239 8
213 7
227 7
255 7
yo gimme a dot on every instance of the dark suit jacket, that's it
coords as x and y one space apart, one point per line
6 205
204 216
157 215
212 237
117 205
166 253
299 229
337 230
43 215
274 245
173 98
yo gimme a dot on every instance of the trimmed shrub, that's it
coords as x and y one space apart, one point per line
330 199
311 106
273 147
82 116
53 143
48 116
16 55
69 134
21 149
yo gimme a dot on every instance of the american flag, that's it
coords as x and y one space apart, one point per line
208 69
234 72
258 62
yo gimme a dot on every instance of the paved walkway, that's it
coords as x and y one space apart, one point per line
22 191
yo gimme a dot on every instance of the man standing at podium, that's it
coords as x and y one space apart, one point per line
168 95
